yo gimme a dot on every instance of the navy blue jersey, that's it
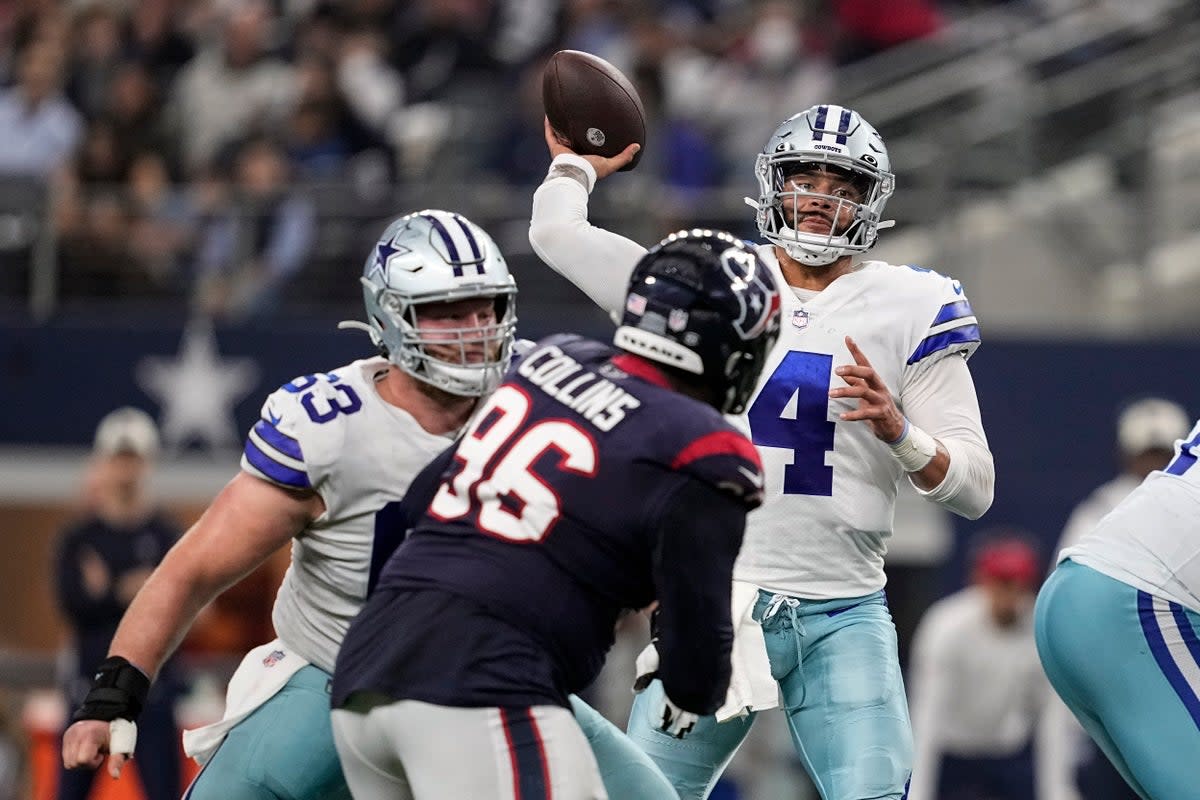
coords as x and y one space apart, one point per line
584 486
94 616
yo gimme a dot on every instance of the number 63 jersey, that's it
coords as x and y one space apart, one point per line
831 485
333 434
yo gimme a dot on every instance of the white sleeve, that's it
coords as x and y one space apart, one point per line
597 261
927 678
940 400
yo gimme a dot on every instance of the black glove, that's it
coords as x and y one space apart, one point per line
118 692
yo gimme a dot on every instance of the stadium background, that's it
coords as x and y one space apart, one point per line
188 227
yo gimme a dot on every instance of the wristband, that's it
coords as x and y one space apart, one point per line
914 449
575 167
118 691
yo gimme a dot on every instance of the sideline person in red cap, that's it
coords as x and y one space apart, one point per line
976 689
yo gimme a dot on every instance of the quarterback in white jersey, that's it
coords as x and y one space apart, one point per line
330 450
1118 629
867 383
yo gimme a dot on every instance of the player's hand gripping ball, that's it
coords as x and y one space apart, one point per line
591 106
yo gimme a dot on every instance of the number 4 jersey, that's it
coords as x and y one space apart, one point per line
830 484
333 434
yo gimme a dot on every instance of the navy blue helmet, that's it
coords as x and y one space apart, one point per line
703 302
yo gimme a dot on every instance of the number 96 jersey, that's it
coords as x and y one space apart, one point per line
333 434
831 485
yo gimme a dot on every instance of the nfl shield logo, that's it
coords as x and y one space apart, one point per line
274 658
800 319
677 320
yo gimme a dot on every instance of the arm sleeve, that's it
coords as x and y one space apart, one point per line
699 535
597 261
940 399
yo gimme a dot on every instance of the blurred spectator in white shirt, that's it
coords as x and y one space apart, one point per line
231 88
976 687
1146 434
38 127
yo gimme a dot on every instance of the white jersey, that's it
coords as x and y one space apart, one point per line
332 433
831 485
1151 540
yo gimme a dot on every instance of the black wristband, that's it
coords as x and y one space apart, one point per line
118 691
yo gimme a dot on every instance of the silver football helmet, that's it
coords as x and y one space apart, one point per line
439 257
834 137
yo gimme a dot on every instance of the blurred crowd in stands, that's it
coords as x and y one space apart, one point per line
181 144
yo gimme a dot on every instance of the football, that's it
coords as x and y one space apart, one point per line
592 106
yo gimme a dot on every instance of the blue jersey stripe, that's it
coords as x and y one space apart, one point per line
1162 655
956 310
279 440
277 472
445 234
940 341
528 755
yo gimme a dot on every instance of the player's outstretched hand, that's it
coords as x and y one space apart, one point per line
85 744
875 404
603 166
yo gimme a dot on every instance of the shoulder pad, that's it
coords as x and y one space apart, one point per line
953 327
297 425
725 459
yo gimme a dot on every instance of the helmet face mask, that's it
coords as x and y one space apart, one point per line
704 303
421 263
834 139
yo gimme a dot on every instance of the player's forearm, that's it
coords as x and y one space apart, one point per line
248 521
941 401
597 261
161 615
968 482
693 573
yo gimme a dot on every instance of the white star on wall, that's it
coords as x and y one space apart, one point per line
197 390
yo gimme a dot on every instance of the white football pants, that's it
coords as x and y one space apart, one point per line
409 750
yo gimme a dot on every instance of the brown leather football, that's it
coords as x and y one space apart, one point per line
592 105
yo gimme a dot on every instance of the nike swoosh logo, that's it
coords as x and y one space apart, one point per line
755 478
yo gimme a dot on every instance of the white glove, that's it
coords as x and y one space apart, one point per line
675 721
122 736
